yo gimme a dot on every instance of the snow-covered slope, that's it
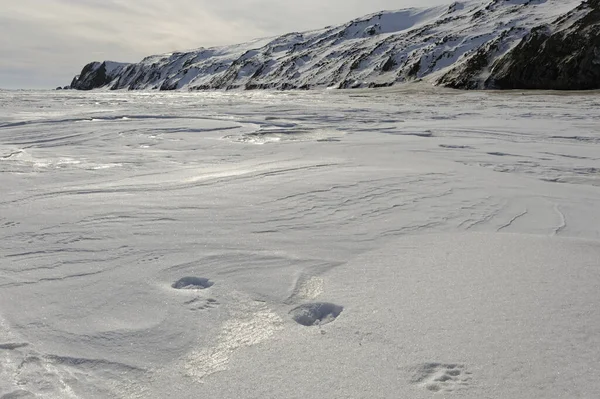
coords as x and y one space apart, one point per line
565 54
456 43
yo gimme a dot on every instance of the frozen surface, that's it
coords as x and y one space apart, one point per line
410 243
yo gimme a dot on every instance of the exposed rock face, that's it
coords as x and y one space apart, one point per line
96 74
470 44
564 56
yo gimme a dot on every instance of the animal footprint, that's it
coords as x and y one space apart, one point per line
150 258
202 304
192 283
9 224
316 314
438 377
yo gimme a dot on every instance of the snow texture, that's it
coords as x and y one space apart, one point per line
406 242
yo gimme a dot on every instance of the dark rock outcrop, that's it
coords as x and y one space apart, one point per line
563 56
96 74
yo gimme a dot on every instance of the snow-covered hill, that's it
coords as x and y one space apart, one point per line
463 45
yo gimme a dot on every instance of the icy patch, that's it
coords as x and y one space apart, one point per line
106 166
67 161
280 135
252 324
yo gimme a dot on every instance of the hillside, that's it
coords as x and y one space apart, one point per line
499 44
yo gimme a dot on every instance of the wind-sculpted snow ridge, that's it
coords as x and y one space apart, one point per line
454 45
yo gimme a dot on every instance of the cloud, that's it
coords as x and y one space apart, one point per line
45 43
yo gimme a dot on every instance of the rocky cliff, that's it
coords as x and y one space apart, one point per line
500 44
562 56
97 74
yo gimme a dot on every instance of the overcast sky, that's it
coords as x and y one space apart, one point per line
44 43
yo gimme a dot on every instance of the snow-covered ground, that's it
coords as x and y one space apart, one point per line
443 244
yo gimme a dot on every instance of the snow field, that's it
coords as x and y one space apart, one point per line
407 242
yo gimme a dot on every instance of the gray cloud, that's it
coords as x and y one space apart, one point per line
45 43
